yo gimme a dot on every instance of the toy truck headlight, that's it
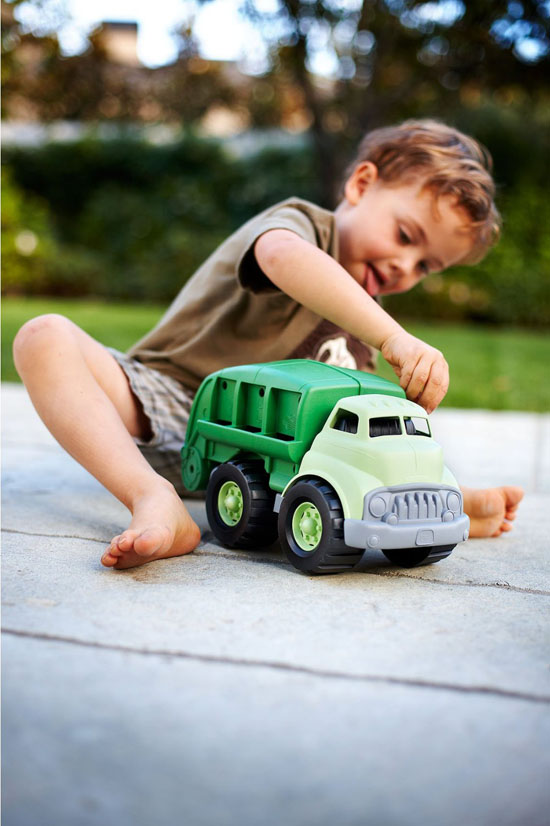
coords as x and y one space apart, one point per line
378 506
453 502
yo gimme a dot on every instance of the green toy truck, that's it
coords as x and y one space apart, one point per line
332 461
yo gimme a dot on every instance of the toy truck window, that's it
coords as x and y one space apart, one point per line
417 426
346 422
385 426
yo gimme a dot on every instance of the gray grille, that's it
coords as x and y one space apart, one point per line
411 503
422 504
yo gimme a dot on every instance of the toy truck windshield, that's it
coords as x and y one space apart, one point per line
416 426
392 426
348 422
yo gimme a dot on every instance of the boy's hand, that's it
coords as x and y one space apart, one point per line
422 370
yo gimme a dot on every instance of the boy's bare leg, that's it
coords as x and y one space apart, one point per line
491 510
83 397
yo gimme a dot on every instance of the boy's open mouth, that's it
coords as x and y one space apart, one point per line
374 280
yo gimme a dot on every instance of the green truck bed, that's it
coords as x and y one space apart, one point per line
270 410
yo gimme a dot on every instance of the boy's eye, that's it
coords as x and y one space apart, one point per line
423 267
404 237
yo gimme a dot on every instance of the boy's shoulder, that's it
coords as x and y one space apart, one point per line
300 215
314 211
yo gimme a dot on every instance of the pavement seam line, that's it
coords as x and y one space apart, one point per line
280 666
504 586
56 535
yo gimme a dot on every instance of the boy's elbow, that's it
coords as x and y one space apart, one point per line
272 251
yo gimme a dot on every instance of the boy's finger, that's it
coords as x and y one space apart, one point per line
436 387
406 373
419 378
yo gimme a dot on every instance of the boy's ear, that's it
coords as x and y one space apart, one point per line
363 176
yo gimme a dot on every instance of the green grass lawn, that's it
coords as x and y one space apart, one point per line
497 369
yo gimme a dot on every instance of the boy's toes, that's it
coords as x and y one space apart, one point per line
504 527
111 556
149 541
512 497
120 545
126 540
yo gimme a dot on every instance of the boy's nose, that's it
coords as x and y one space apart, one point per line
404 268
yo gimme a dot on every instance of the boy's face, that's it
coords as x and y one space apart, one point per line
390 237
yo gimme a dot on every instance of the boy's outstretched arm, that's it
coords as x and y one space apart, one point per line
314 279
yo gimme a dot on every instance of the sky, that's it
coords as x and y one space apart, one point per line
221 31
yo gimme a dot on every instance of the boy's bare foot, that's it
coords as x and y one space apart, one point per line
491 509
161 527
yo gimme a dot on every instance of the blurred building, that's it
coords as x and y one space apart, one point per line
47 95
119 39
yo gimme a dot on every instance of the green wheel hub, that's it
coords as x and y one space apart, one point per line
307 526
230 503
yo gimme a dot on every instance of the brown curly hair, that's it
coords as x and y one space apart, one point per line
448 162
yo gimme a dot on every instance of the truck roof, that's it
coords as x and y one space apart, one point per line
382 405
302 374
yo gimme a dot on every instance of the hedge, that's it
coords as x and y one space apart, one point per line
129 220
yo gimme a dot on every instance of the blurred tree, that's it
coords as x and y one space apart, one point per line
391 59
337 66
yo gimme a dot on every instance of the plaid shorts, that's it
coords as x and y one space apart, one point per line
167 405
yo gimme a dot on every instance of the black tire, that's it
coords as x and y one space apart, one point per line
414 557
257 525
330 554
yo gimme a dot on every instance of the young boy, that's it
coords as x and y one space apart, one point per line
296 281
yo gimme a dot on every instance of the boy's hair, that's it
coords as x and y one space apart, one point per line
449 162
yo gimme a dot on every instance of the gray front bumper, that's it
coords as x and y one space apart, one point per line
409 516
413 534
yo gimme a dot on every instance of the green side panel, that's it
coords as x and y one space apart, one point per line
259 443
282 413
280 474
250 402
272 410
222 400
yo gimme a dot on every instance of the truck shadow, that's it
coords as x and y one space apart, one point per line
273 556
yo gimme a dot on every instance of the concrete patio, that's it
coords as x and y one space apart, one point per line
226 688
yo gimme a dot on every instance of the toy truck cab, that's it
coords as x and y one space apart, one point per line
378 455
332 461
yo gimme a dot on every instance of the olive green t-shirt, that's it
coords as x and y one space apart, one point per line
230 313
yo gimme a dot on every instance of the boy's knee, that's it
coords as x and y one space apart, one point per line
34 336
